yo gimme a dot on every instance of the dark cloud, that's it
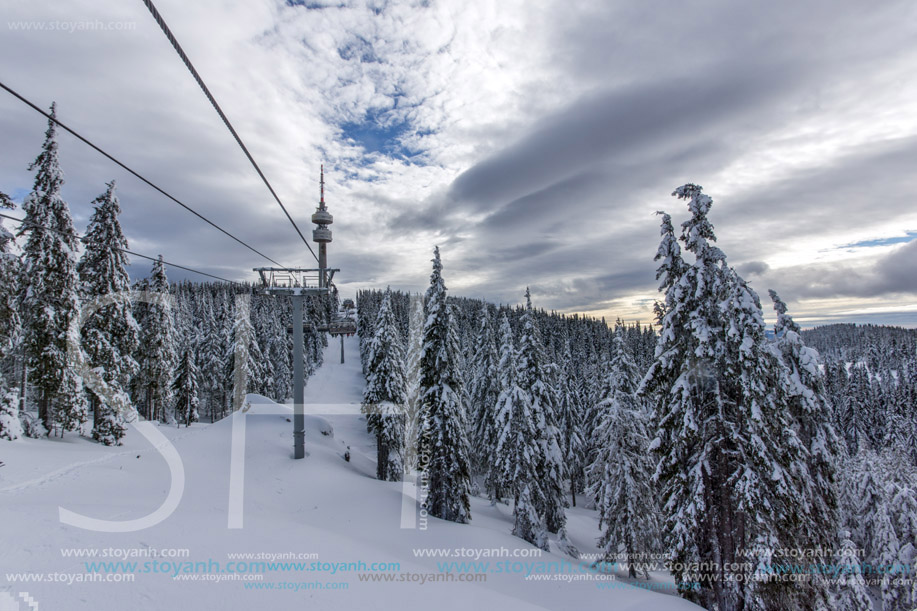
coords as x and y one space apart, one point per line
618 42
625 123
892 274
752 268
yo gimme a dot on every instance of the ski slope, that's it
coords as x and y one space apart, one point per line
331 511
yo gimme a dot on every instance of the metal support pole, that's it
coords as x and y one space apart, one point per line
342 350
323 265
299 420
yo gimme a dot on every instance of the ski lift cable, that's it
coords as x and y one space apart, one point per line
216 106
124 250
135 174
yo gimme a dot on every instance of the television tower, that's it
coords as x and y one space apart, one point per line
321 235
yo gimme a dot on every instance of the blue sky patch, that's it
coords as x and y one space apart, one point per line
374 136
18 195
377 135
307 4
907 237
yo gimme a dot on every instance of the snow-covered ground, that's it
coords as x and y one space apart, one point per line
331 512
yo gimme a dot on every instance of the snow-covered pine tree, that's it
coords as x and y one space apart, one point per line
227 320
853 410
10 427
852 591
672 382
501 461
264 322
109 334
534 381
443 451
570 422
141 311
157 356
187 388
516 455
620 479
9 284
723 439
904 504
527 524
50 306
315 341
484 388
773 487
413 356
211 357
366 312
385 393
244 357
280 349
872 517
809 409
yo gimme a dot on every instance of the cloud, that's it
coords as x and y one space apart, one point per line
533 144
620 124
893 273
752 268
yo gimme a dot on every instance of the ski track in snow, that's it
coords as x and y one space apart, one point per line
59 473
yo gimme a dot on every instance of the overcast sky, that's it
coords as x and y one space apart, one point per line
531 140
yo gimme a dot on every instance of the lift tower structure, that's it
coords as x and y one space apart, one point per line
297 284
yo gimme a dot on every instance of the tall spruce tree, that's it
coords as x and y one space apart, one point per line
723 438
211 357
621 477
227 320
244 357
570 422
518 449
50 305
904 507
9 284
534 381
872 518
484 388
852 590
187 388
385 393
804 385
10 427
109 332
157 356
281 353
443 451
413 357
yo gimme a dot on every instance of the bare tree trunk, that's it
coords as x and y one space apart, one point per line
44 412
24 384
381 457
94 404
